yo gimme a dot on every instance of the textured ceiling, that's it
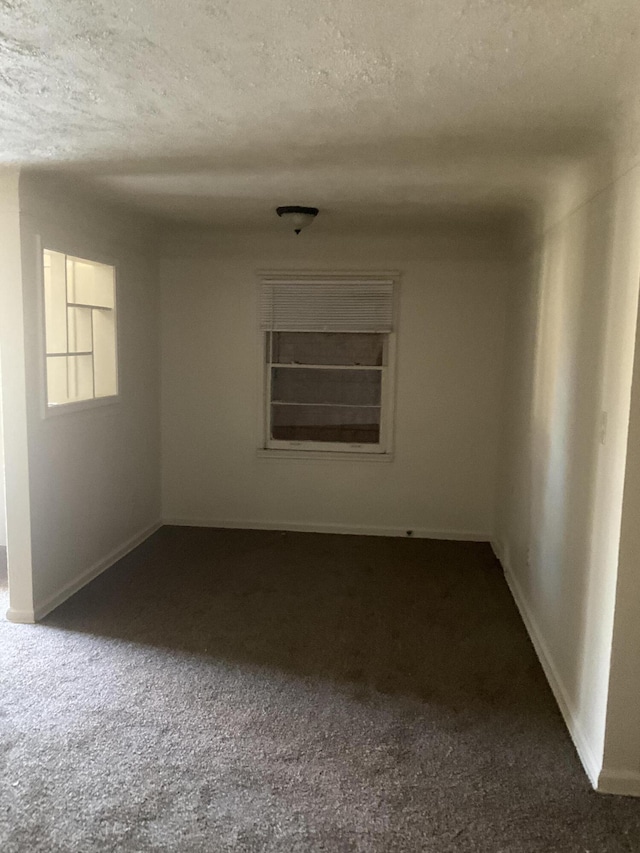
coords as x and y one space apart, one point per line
215 108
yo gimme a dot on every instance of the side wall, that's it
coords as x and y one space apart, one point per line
3 507
13 346
621 771
572 331
448 384
94 474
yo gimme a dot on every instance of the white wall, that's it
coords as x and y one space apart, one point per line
449 378
621 771
14 399
94 474
3 508
570 353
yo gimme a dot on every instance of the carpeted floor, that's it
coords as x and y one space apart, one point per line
261 691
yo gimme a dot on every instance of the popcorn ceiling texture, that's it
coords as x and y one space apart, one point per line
85 81
100 80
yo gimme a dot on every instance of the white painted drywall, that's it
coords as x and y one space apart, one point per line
621 770
3 508
572 330
94 473
621 766
14 400
449 379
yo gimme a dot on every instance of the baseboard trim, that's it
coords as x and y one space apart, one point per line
591 765
54 600
622 782
22 617
348 529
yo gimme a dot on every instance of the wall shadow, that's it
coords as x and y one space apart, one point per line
429 620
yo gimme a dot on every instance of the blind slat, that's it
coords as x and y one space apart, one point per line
321 306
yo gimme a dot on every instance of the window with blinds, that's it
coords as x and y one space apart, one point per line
328 348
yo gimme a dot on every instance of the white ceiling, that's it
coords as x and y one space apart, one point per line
221 109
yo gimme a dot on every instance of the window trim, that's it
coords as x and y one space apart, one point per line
53 411
383 450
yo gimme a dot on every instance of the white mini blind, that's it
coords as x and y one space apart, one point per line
327 306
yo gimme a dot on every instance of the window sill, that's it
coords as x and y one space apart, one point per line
79 406
323 455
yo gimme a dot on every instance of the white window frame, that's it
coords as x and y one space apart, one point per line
383 450
55 410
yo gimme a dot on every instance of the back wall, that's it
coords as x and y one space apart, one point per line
449 377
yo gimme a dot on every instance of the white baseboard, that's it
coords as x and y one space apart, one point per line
24 617
624 782
353 530
585 753
51 602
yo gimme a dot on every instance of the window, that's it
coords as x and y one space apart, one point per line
80 329
328 358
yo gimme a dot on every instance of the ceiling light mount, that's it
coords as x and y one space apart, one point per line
298 217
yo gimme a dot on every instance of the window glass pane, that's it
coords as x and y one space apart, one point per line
80 328
57 381
308 385
80 369
90 283
80 337
55 301
325 423
327 348
104 353
69 378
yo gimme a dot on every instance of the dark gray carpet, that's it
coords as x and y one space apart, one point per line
260 691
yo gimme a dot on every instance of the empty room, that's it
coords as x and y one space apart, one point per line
320 417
